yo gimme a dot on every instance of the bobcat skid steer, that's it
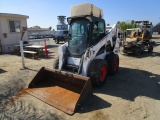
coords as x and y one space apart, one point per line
84 61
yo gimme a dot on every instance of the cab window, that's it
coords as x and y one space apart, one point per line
98 32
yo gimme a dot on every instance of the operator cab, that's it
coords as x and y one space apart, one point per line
84 31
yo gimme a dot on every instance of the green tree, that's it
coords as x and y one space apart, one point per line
125 25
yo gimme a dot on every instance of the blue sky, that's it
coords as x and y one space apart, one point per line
44 12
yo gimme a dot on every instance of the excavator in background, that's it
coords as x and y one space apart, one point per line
83 62
138 39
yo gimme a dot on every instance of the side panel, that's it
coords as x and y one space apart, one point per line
92 53
85 66
61 52
117 46
102 56
73 61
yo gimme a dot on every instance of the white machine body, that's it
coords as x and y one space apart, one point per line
91 53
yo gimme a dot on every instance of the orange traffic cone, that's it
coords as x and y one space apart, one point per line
45 47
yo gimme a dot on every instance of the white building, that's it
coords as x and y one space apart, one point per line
10 30
38 31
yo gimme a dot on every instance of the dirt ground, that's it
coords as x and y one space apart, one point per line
132 94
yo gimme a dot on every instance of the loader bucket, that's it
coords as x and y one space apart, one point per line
60 89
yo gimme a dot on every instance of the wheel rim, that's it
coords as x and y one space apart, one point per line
116 65
103 73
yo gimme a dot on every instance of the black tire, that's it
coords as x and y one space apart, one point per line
137 51
150 48
98 72
113 63
56 63
56 41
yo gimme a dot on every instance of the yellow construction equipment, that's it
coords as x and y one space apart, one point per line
139 39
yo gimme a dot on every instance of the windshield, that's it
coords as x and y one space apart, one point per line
79 32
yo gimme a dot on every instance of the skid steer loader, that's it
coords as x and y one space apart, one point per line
84 61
